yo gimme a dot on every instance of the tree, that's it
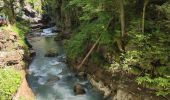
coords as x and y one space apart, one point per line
10 10
122 20
143 15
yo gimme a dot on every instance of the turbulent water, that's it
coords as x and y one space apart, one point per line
45 71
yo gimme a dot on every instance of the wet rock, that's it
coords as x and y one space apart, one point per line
32 53
79 90
53 80
51 53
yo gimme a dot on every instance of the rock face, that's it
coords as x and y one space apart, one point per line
125 90
100 86
10 52
122 95
79 90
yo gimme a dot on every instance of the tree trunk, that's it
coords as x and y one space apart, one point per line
12 10
122 19
143 15
88 54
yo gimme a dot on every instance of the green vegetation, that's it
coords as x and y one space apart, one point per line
129 36
134 37
21 29
9 83
161 85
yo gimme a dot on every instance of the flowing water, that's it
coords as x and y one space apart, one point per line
50 78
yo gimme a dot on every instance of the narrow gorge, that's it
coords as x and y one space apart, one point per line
84 50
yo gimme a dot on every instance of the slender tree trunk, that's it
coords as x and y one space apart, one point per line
12 10
122 19
88 54
143 15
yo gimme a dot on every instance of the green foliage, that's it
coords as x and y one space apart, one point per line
52 5
75 46
150 53
145 53
89 32
160 84
21 28
9 82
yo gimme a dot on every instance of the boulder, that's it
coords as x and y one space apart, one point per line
79 90
32 53
51 53
52 80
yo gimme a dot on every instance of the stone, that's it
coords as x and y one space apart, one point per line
51 53
53 79
79 90
32 53
100 86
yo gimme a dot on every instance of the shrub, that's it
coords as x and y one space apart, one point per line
160 84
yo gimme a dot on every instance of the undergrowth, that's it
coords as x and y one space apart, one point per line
9 83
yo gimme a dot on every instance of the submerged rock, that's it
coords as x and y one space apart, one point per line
53 80
79 90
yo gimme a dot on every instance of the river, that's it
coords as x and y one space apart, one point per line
50 77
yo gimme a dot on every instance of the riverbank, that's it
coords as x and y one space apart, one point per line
14 54
115 85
